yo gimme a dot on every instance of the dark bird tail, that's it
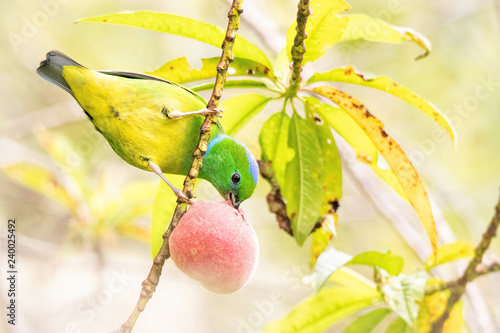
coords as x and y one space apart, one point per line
51 69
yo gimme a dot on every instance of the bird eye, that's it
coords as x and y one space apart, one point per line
235 178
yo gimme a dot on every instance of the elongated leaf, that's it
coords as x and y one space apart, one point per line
399 325
364 27
273 140
404 293
367 322
433 306
186 27
450 252
332 170
324 309
237 84
164 206
42 181
332 184
347 128
303 186
351 279
240 110
324 28
349 75
391 263
331 260
180 71
393 154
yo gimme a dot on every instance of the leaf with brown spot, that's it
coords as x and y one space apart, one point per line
349 75
332 170
303 183
180 71
320 239
393 154
348 129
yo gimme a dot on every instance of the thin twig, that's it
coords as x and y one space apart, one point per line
473 270
481 270
150 283
298 48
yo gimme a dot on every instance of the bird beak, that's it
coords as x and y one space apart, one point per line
234 200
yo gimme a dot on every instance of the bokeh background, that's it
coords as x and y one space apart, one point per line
81 259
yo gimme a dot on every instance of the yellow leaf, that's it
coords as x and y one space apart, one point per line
450 252
433 306
320 239
393 154
383 83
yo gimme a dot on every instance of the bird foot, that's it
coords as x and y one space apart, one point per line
174 114
217 112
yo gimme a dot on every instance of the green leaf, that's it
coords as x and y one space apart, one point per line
393 154
273 140
331 260
186 27
347 128
367 323
332 169
322 310
399 325
163 210
240 110
450 252
391 263
180 71
242 84
364 27
42 181
404 293
349 75
324 28
303 186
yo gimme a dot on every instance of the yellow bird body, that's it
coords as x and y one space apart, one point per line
133 116
154 124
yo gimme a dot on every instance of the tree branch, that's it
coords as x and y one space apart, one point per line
474 270
153 278
298 48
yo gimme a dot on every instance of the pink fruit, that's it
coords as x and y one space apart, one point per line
215 245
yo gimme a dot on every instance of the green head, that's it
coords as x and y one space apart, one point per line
231 168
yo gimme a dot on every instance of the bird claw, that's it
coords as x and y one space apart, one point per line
216 111
182 197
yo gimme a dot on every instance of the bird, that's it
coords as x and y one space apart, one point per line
154 125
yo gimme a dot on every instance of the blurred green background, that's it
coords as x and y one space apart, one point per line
81 263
